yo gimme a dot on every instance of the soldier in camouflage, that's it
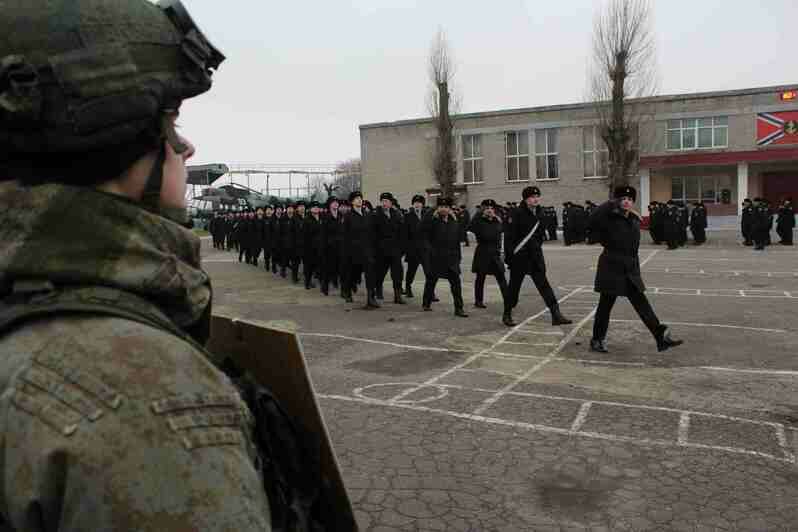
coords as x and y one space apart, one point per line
109 422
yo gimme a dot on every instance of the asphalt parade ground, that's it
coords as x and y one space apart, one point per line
445 423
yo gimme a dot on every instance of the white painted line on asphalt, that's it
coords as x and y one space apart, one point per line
527 343
544 333
493 371
551 356
487 403
708 292
581 416
486 350
381 342
600 362
684 428
692 324
554 430
511 355
784 372
782 437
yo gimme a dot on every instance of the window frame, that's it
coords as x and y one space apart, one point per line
695 130
594 153
473 160
699 180
515 158
547 153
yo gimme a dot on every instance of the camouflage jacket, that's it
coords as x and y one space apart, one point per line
105 423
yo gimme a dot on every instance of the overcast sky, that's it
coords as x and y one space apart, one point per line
301 76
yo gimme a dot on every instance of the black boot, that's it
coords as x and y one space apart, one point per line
557 318
379 294
397 297
507 319
371 303
599 345
325 288
408 291
664 340
460 313
435 298
480 304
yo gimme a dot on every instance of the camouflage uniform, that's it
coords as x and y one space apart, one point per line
109 424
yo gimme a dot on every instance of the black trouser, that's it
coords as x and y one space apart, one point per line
640 303
479 288
243 252
552 233
699 235
412 267
267 256
393 263
351 274
330 269
296 260
785 233
454 282
541 283
311 267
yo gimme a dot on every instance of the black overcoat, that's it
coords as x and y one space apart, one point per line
389 231
415 241
619 264
286 230
443 237
358 238
314 243
487 257
529 258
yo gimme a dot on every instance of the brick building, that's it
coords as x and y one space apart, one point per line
720 147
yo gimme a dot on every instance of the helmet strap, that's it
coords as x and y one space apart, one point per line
151 198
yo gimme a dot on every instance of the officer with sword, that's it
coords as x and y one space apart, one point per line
524 256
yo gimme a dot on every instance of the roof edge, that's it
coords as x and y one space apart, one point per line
582 105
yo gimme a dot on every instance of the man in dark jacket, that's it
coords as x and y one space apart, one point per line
388 228
286 228
760 224
314 244
487 229
746 222
671 225
524 255
267 238
786 222
416 244
443 233
359 255
332 229
618 270
277 248
698 223
298 256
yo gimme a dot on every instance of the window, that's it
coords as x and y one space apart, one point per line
517 155
708 189
546 159
698 133
595 156
472 159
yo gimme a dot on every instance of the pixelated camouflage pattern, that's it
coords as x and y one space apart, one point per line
108 424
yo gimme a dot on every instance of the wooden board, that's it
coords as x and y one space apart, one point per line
275 360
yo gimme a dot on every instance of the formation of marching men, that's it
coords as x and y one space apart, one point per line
348 243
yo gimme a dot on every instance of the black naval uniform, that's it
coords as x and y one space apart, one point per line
298 255
760 227
416 247
671 226
618 272
786 223
388 228
286 230
529 259
487 257
267 232
443 235
359 255
698 223
747 223
331 261
313 248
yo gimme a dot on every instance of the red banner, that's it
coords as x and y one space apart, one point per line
777 128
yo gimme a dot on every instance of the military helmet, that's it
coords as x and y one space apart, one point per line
93 73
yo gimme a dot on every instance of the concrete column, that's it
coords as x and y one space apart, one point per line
742 186
644 195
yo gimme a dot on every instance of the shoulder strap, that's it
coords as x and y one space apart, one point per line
36 300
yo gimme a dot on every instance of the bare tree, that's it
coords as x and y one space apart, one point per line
318 186
442 105
623 69
348 177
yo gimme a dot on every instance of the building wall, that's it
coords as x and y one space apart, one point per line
396 156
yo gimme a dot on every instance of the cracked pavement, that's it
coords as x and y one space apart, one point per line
455 424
